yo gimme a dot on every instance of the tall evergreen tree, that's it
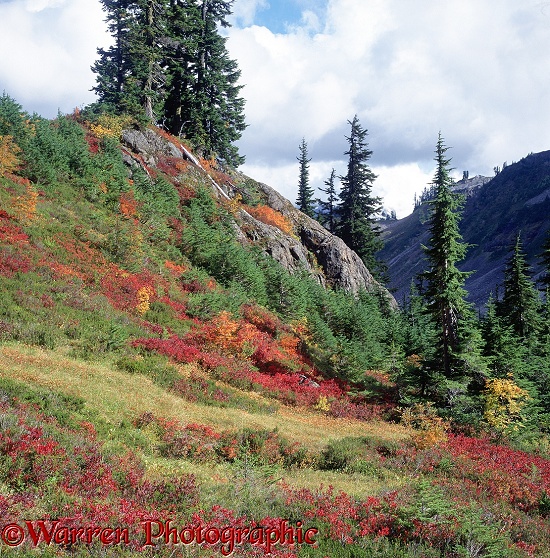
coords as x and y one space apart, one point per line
150 55
545 259
128 74
115 65
358 208
304 202
520 303
328 208
444 293
501 346
169 63
217 118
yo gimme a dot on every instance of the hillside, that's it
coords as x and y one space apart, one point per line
171 348
516 200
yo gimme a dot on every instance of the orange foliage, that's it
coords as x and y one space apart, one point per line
429 428
208 165
9 151
289 343
269 216
26 205
223 332
128 204
175 268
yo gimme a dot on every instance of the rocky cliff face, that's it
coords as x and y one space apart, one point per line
311 247
317 248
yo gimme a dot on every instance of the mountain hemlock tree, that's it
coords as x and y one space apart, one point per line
444 292
328 209
119 81
358 208
503 349
520 302
304 202
170 64
216 117
545 260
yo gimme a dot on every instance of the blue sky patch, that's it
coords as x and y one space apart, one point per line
284 13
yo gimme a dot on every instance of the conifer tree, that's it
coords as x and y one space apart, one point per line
170 64
520 303
216 117
418 378
304 202
128 74
545 260
501 346
445 294
116 67
328 209
153 29
358 208
540 364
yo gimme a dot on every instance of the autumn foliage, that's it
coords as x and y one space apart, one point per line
269 216
9 155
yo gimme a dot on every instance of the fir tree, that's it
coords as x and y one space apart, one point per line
545 260
520 302
540 364
501 346
445 294
418 378
150 55
170 64
129 74
304 202
115 65
327 209
358 208
217 119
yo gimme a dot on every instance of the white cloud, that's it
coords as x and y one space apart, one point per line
398 184
476 71
52 45
245 10
39 5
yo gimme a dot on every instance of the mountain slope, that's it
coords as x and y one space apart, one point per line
304 245
517 200
156 364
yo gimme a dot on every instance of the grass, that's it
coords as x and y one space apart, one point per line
115 398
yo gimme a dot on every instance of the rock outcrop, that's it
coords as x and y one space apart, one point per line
317 249
311 247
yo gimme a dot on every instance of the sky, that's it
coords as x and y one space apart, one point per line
476 70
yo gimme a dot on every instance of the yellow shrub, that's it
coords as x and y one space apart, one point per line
143 296
323 404
110 125
9 151
234 204
504 401
25 206
430 428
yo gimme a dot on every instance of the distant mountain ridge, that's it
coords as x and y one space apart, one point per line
516 200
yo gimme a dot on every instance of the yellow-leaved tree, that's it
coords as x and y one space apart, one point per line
9 155
504 401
